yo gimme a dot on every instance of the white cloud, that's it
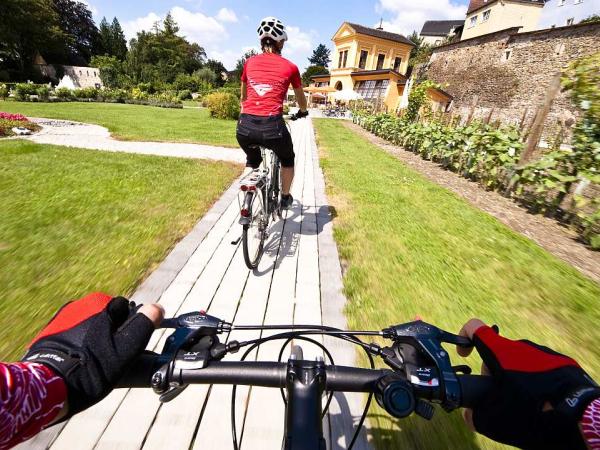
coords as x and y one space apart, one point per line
411 15
226 15
131 27
197 27
299 45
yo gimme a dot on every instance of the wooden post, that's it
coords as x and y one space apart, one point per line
522 123
472 110
535 133
488 119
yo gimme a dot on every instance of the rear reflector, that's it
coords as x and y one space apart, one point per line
245 213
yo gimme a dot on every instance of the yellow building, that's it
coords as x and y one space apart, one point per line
489 16
370 61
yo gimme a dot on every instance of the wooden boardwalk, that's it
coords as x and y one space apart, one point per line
298 281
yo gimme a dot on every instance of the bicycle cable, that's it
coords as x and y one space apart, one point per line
344 335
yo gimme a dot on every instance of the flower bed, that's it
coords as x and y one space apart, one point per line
9 121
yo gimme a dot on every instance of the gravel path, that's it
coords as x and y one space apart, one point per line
546 232
95 137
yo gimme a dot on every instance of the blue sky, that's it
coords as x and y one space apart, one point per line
227 28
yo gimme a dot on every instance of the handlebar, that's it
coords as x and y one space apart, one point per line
273 375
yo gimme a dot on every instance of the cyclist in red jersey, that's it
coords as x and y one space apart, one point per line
265 81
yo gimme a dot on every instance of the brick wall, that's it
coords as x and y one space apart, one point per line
478 70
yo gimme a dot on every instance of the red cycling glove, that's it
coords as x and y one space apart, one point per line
539 396
90 343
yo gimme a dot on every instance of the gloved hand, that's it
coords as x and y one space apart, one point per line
90 343
539 396
299 115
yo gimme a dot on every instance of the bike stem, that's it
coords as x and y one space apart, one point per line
305 384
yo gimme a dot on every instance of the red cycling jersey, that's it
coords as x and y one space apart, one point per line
268 77
31 396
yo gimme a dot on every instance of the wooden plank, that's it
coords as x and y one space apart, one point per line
84 430
263 427
131 422
176 421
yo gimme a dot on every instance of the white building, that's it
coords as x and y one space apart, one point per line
560 13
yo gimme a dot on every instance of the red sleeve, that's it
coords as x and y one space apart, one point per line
590 425
244 77
31 396
295 79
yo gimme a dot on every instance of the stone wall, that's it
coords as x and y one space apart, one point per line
84 77
510 71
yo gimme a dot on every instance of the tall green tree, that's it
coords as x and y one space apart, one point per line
312 71
161 54
420 53
218 69
105 37
321 56
82 37
119 43
27 27
239 65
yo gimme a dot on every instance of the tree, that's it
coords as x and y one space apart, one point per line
239 65
218 69
82 36
591 19
112 72
160 55
420 53
311 71
320 56
104 38
26 29
118 41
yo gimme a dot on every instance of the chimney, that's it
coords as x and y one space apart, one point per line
380 27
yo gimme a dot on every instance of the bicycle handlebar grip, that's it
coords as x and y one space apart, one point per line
474 388
140 372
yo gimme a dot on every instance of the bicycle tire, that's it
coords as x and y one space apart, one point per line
252 258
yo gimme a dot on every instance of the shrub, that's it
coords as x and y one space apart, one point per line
3 91
138 94
43 93
86 93
24 90
184 95
222 105
64 93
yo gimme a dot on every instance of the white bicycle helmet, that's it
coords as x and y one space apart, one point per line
273 28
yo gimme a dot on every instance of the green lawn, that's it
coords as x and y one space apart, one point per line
137 123
414 248
75 221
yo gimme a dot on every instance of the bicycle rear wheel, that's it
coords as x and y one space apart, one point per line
254 234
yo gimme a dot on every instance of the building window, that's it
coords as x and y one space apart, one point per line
570 21
561 2
362 62
486 15
339 86
343 59
371 89
380 61
397 62
80 72
507 54
473 22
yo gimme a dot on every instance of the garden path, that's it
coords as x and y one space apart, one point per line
299 280
96 137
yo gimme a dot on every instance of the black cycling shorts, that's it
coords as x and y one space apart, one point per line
271 132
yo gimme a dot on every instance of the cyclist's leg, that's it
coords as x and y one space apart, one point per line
248 141
284 149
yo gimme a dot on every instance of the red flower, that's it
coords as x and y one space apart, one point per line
15 117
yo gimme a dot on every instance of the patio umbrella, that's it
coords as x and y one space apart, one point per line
346 95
